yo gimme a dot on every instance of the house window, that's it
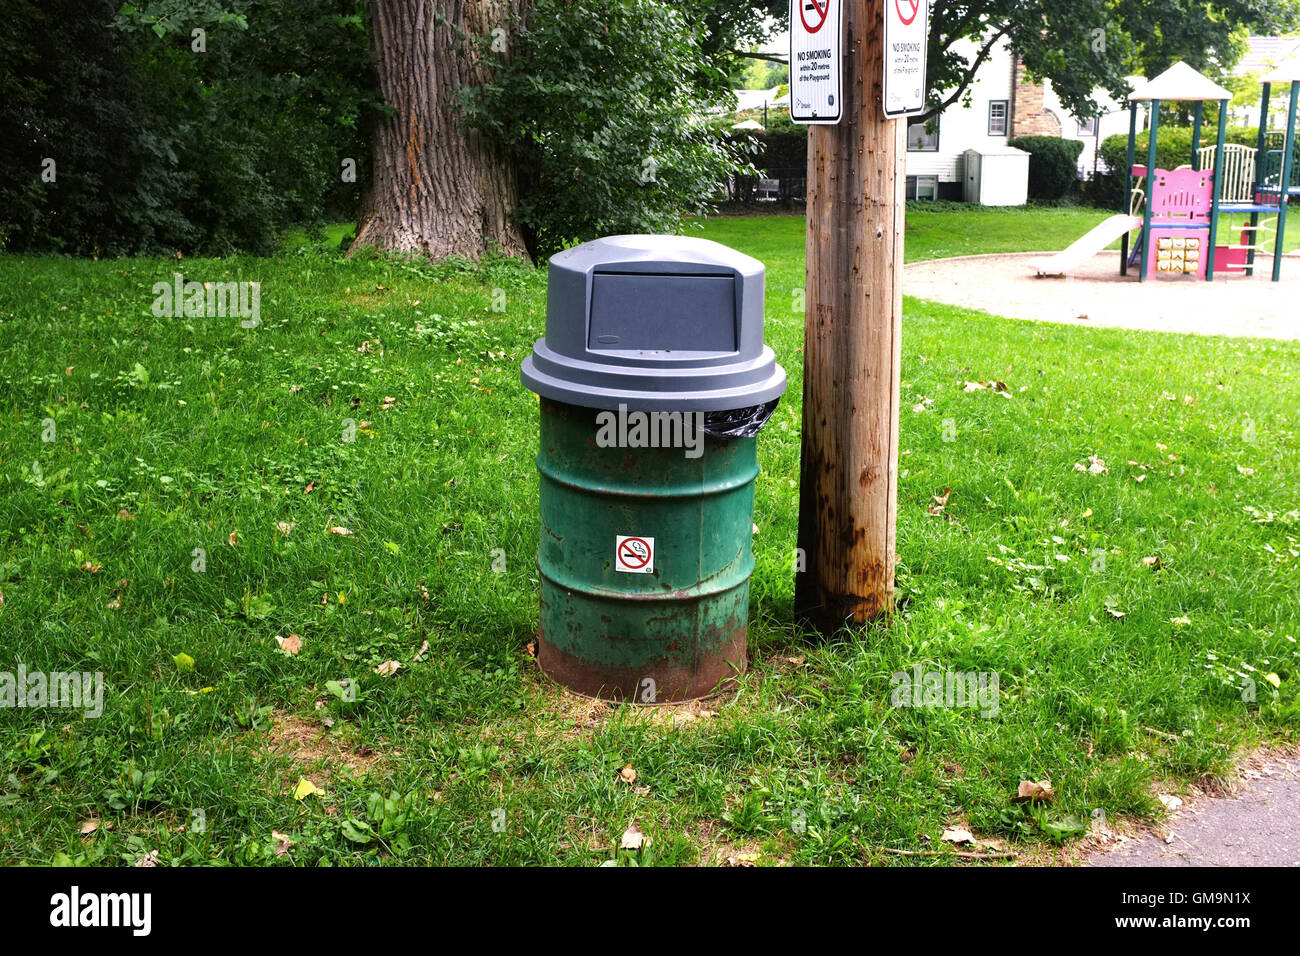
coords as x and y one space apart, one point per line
998 110
923 187
923 137
1088 126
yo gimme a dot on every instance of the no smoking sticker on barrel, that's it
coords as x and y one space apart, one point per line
634 554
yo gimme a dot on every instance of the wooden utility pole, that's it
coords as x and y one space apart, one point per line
852 332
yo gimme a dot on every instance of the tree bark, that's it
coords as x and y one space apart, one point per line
436 188
852 335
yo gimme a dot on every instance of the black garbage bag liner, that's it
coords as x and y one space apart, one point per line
739 422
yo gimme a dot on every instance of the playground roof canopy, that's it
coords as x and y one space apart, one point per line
1180 82
1288 71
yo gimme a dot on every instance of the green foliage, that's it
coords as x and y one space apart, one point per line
760 75
1053 164
598 107
187 125
1082 46
1173 145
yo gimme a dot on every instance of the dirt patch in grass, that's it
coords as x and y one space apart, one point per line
308 743
576 717
715 851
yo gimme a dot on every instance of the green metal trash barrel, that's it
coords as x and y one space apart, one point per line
653 382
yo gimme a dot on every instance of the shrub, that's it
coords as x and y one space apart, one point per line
1053 164
1173 149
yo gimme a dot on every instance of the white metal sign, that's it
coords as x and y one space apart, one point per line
634 554
907 29
816 72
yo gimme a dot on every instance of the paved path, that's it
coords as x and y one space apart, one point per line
1098 295
1258 826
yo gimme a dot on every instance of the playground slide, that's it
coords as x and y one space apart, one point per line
1085 248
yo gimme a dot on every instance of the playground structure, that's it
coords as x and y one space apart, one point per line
1177 213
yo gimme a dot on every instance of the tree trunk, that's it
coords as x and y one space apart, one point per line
435 188
852 335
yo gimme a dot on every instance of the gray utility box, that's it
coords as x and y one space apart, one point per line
656 323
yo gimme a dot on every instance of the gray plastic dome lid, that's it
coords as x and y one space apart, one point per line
656 323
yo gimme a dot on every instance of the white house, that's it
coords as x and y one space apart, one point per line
1000 105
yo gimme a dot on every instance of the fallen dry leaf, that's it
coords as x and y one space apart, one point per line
940 502
92 567
1152 562
311 486
1095 466
1034 792
1170 803
424 649
89 826
290 645
284 527
388 668
628 774
389 402
957 836
339 529
149 859
234 539
282 843
126 515
633 839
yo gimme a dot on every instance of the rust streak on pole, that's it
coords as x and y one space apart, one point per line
852 332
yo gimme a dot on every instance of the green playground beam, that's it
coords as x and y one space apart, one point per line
1196 135
1284 184
1218 190
1262 142
1128 184
1151 186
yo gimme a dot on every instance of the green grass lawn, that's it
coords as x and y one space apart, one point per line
185 507
930 235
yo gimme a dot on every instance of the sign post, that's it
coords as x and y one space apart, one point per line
853 318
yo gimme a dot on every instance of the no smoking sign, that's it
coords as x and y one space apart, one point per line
634 554
907 42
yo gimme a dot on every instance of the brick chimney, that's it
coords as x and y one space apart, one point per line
1029 117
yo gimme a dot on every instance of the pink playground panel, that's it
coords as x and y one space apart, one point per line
1182 195
1179 242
